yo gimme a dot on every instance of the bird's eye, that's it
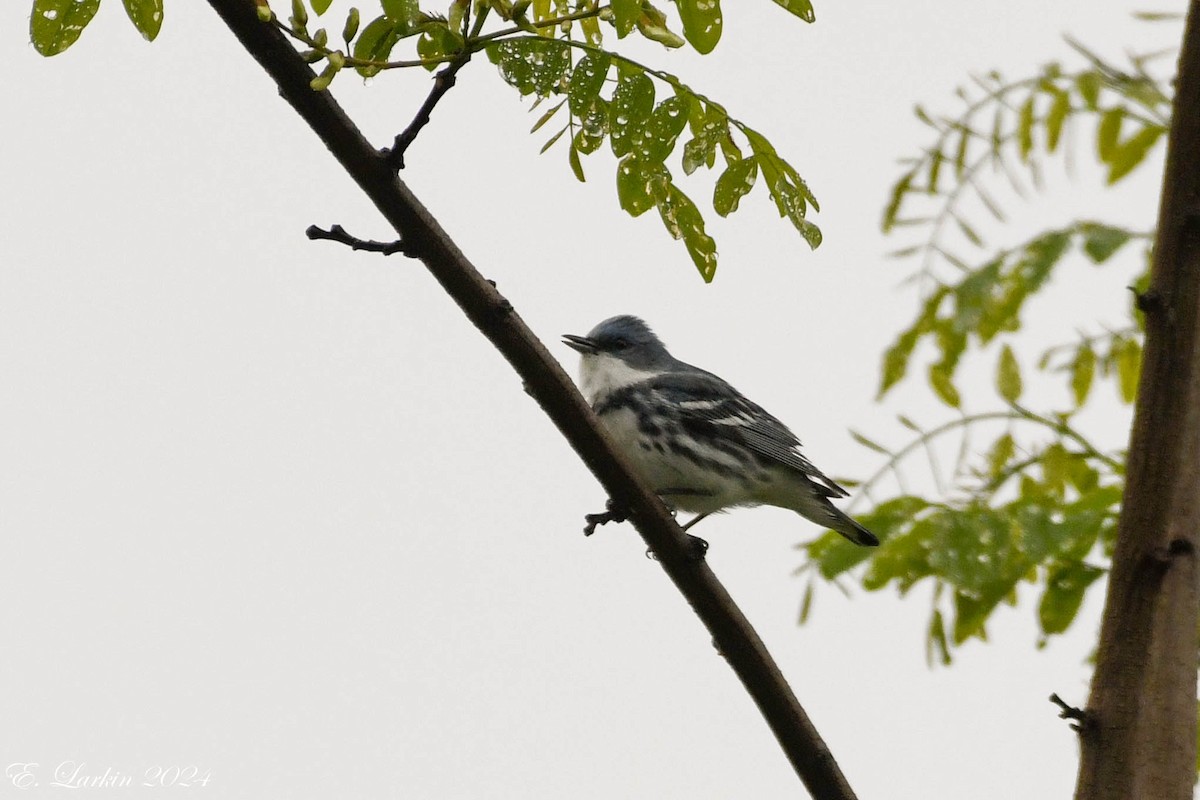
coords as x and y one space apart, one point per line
621 344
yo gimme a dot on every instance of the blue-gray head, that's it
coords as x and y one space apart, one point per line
616 353
625 338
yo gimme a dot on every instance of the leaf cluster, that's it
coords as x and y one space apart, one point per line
549 49
1035 501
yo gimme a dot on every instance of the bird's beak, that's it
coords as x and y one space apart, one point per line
580 344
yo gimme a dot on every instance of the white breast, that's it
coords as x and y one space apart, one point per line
600 375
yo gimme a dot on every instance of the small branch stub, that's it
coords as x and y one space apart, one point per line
338 234
1079 717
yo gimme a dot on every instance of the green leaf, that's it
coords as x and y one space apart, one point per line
55 25
404 12
319 7
806 603
593 127
683 221
375 44
899 190
438 40
625 15
1065 588
1128 355
573 158
960 153
943 386
1083 370
147 15
586 81
1108 131
801 8
1055 470
1126 156
1025 129
662 128
1089 89
895 360
1001 453
652 24
937 639
550 142
1055 117
546 117
869 444
640 184
1008 375
1101 241
532 66
632 104
591 31
735 182
836 554
701 23
971 612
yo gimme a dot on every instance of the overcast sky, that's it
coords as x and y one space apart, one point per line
275 511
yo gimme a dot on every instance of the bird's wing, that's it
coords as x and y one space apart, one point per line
710 407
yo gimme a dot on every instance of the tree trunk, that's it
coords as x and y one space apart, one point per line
1138 736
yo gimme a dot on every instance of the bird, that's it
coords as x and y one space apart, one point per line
699 443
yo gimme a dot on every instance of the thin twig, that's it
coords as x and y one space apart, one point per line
338 234
443 83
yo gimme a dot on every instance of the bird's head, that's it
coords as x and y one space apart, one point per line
617 352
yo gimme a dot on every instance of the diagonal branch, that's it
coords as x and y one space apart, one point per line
545 380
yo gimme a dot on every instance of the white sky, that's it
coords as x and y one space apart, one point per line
276 510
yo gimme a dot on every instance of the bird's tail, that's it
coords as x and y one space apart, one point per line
852 530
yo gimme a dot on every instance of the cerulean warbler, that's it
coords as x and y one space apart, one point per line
692 437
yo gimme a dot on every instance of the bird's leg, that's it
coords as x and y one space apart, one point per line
698 546
611 514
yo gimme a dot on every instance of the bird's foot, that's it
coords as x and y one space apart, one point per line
696 548
611 514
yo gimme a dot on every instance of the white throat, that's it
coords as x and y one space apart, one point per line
600 375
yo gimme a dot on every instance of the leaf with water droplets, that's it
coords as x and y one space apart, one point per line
533 66
801 8
640 184
625 15
652 23
375 43
55 25
701 23
632 104
735 182
683 221
147 15
663 127
586 81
